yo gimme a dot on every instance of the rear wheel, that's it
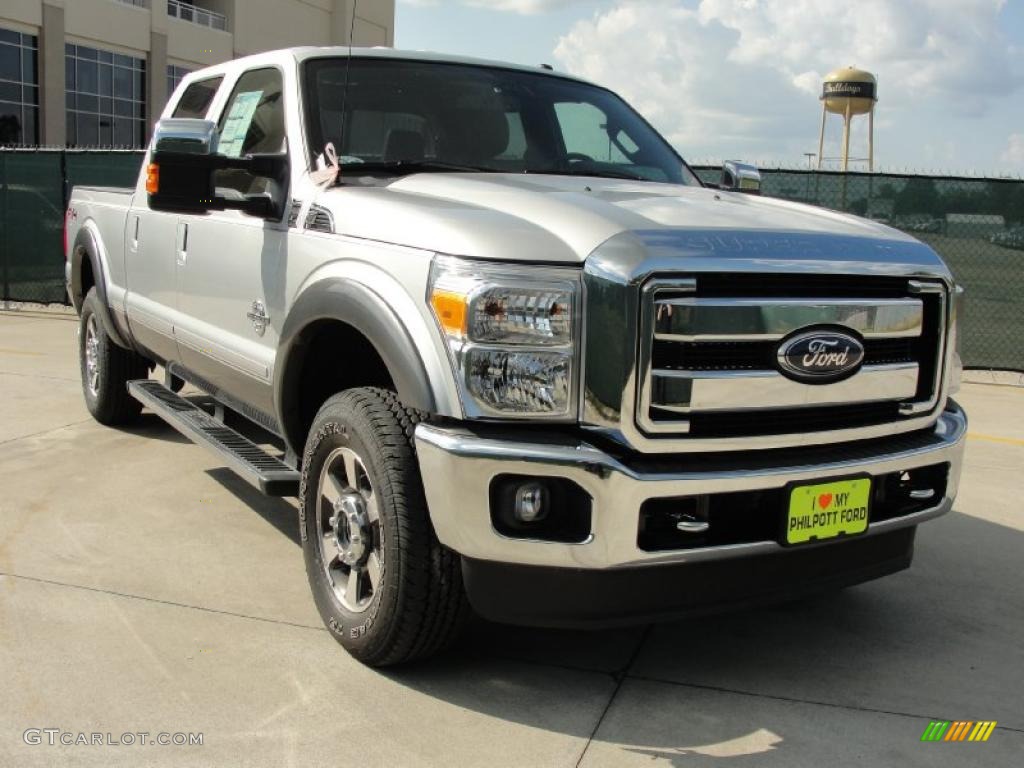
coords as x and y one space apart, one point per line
384 585
106 369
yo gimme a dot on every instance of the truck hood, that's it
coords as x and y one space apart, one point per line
563 219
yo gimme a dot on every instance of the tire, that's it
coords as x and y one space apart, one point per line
362 510
106 369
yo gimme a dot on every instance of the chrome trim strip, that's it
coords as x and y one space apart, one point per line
458 464
769 319
648 320
760 390
912 408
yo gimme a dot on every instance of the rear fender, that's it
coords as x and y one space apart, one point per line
86 249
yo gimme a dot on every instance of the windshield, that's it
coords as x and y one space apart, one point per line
424 116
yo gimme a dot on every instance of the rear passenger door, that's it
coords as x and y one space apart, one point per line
152 241
231 275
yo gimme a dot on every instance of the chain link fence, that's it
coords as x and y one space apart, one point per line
976 225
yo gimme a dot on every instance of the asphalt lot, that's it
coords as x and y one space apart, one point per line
144 589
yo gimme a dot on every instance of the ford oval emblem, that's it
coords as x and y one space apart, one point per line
820 356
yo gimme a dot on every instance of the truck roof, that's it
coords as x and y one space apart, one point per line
302 53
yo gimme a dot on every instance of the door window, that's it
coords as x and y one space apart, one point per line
252 123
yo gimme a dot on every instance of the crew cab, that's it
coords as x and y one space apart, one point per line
514 356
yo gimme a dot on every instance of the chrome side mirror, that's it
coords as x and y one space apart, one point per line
740 177
184 163
185 136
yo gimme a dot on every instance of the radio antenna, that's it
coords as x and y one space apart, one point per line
348 68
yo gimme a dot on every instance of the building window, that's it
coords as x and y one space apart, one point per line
19 88
175 74
106 98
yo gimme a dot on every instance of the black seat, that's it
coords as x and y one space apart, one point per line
476 136
403 146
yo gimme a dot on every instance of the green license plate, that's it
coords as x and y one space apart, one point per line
827 510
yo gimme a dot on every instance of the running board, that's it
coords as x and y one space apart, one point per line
252 463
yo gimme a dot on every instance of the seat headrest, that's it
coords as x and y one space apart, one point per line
404 146
475 136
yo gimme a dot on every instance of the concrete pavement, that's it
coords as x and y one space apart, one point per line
145 589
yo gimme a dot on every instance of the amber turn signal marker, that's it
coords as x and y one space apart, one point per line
450 309
152 178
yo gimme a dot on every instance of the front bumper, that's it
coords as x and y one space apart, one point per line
580 598
607 579
458 465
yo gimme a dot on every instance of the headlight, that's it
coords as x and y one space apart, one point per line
511 334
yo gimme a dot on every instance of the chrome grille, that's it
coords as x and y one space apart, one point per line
708 355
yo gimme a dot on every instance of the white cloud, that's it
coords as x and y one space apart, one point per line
952 48
515 6
741 77
523 6
1014 154
676 70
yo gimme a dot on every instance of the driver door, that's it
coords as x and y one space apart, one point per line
231 270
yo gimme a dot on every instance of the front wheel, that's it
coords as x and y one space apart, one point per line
384 585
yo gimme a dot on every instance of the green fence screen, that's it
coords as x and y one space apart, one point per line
976 225
34 189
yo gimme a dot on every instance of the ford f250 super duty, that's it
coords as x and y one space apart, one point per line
518 358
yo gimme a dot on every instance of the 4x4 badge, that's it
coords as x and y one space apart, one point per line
259 317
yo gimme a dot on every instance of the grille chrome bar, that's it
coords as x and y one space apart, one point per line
704 357
686 391
752 319
931 401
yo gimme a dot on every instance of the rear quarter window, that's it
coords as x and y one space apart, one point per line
195 101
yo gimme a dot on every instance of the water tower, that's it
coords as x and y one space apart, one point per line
849 92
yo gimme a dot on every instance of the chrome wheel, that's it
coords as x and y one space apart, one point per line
350 530
92 356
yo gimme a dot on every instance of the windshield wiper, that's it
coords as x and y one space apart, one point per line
603 174
402 168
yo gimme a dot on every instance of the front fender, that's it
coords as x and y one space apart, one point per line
418 382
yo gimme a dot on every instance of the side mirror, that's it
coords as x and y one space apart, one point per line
185 136
740 177
181 176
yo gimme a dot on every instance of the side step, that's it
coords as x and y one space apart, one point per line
255 465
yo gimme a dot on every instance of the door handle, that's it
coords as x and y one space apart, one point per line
135 234
181 244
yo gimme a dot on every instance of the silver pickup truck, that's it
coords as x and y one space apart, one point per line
512 354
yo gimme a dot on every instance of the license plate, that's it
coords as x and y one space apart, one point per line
826 510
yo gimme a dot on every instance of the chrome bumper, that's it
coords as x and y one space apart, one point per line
458 465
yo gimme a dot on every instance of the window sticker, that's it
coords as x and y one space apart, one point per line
236 127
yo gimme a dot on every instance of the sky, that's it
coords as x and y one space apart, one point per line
740 79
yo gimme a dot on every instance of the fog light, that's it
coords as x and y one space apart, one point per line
540 508
531 503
